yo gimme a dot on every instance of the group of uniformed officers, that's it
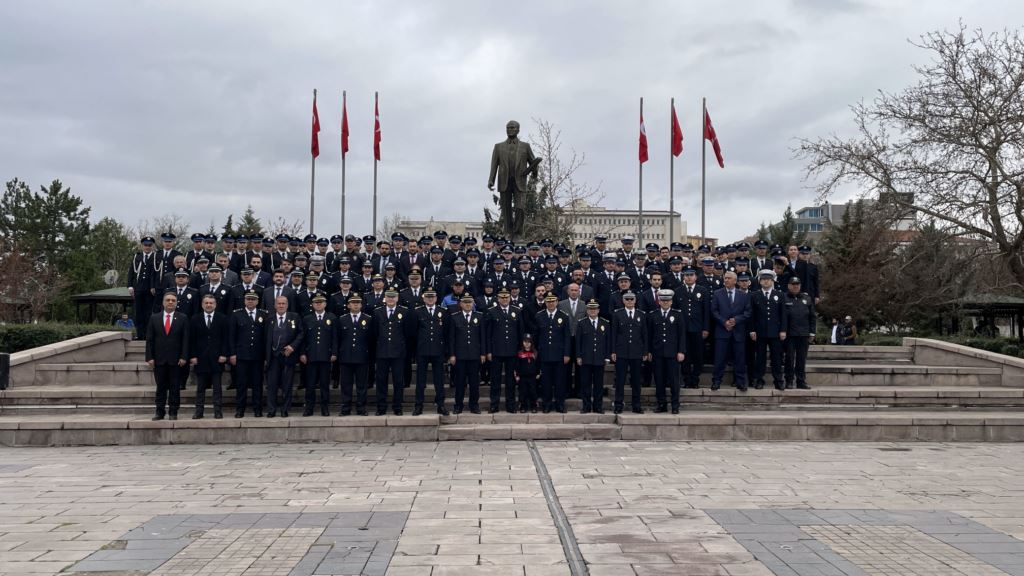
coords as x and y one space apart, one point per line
537 323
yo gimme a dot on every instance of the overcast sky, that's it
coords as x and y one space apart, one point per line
199 108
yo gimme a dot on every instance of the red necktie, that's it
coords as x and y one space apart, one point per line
167 324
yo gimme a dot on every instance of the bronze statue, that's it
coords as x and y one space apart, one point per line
512 161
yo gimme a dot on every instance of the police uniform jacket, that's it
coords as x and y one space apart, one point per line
629 336
391 333
465 338
411 300
238 294
593 344
355 338
142 275
695 306
506 276
165 260
504 331
225 300
207 343
304 301
666 333
337 304
188 301
798 315
711 282
766 313
553 336
431 330
245 335
280 336
434 276
320 340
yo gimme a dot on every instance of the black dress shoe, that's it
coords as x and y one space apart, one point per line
716 386
417 411
600 411
258 413
617 411
803 386
742 387
442 410
675 410
546 410
638 410
345 413
157 417
758 386
397 412
172 417
271 414
325 412
584 410
239 414
381 412
284 414
661 409
511 410
562 411
780 387
307 413
218 415
197 416
492 410
474 409
789 385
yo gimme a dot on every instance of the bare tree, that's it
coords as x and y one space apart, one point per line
950 147
283 226
173 223
27 286
388 225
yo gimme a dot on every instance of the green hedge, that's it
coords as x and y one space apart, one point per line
18 337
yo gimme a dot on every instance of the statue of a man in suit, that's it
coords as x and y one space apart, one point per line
511 162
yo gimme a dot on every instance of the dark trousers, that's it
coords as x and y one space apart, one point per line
730 349
142 306
501 375
767 347
168 388
353 374
552 385
206 381
280 381
467 374
796 359
436 364
635 369
250 382
693 363
666 379
392 366
318 378
592 386
528 393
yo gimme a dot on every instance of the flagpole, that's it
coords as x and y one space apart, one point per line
671 177
374 229
312 180
344 111
640 211
703 164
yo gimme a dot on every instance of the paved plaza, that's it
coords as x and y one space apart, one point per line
506 507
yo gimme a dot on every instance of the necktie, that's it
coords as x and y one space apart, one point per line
731 300
355 319
629 312
252 315
167 323
552 316
572 306
209 320
766 295
277 293
319 317
389 313
664 313
430 311
467 318
181 292
280 321
595 324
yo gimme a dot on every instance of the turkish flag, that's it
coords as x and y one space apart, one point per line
677 134
344 129
314 146
709 134
376 131
643 141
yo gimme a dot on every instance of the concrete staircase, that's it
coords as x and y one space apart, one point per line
98 390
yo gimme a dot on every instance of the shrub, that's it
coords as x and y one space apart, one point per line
18 337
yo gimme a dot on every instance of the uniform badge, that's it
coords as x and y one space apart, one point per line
440 315
399 315
775 298
513 315
293 324
188 296
328 321
698 295
804 300
559 320
671 318
259 318
362 322
223 292
601 328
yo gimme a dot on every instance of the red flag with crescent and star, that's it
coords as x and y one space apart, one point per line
314 147
344 129
643 141
376 131
709 134
677 134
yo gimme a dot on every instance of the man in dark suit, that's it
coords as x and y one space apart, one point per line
593 351
319 351
390 326
730 308
666 343
167 352
284 341
355 339
694 301
503 334
511 161
554 347
465 343
142 277
278 287
208 343
431 325
765 324
629 348
807 271
246 346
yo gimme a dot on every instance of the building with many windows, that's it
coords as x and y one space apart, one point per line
814 219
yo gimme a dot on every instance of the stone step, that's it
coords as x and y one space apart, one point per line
860 353
904 425
818 374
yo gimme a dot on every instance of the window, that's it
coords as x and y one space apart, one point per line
815 227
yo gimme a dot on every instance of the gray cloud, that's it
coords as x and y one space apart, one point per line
200 108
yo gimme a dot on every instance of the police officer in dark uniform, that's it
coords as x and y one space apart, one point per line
554 349
766 305
355 339
167 253
666 343
319 351
798 326
188 297
220 291
694 301
284 343
593 352
142 277
465 343
503 335
628 350
390 324
431 321
245 352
